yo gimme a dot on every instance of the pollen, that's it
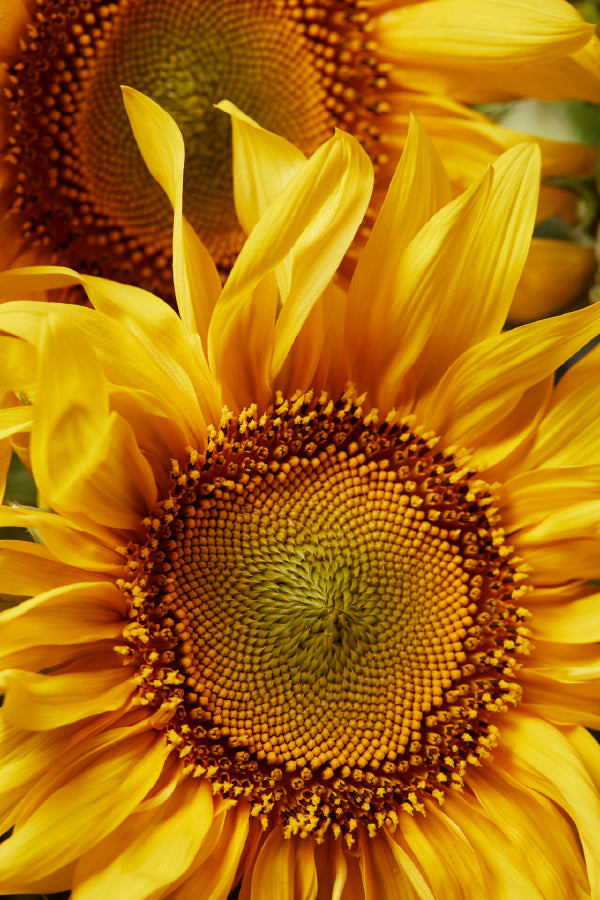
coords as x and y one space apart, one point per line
80 192
325 615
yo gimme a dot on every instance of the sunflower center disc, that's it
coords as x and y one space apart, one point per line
187 56
324 610
81 189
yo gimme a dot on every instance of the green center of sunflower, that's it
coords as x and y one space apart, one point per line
323 614
81 189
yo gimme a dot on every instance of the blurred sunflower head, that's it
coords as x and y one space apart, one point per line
73 186
309 612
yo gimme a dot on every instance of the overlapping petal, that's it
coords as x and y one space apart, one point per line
71 545
489 31
329 196
79 446
195 276
555 272
417 191
227 842
45 702
67 615
126 860
113 786
484 385
437 44
561 764
154 354
420 300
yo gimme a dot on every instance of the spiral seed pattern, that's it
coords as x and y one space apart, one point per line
325 614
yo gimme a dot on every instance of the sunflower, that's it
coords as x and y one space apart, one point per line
310 608
73 186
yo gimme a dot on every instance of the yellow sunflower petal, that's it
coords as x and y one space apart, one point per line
484 384
161 336
418 189
437 46
475 34
330 195
502 446
112 786
427 297
273 874
17 364
155 352
215 881
566 662
530 498
546 844
263 163
125 862
561 682
443 853
573 77
16 419
569 435
577 622
77 436
548 760
299 372
43 702
332 871
569 77
501 849
481 141
587 748
56 881
555 274
71 545
408 320
332 372
410 868
54 656
494 267
382 874
27 754
553 564
317 253
548 510
204 290
563 704
577 520
158 436
564 526
197 282
80 613
306 883
161 145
